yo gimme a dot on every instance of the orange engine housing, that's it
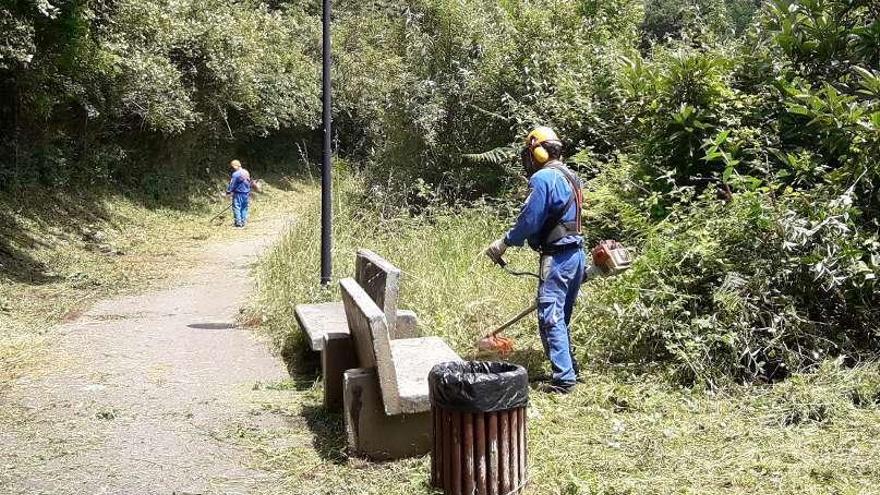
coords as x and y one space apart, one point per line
611 257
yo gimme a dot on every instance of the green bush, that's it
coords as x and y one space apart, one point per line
82 81
726 289
734 147
754 165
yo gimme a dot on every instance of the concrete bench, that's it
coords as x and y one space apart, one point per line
381 280
326 327
386 404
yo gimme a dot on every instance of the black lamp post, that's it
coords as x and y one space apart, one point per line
326 180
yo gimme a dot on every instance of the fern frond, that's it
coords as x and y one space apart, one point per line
497 156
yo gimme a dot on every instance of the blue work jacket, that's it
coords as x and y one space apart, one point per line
240 182
549 192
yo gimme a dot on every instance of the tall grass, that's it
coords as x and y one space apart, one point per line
456 291
617 433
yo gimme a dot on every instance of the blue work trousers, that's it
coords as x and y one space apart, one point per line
240 209
561 277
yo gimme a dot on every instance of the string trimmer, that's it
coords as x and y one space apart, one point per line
221 212
256 187
609 258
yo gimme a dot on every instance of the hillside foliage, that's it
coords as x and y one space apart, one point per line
732 143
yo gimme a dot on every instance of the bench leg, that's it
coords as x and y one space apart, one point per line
338 355
375 435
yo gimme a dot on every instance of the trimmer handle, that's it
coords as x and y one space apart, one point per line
498 260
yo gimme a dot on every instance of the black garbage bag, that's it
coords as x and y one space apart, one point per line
478 386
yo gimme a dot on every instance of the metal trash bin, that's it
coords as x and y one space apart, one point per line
479 413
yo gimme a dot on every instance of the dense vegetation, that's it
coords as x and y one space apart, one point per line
624 431
738 156
733 143
144 93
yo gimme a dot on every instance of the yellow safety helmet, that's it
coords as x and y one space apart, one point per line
536 138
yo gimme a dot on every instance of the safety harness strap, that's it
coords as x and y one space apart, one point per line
557 228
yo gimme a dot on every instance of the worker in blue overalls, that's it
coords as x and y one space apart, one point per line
550 221
239 189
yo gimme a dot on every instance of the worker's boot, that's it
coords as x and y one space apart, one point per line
554 388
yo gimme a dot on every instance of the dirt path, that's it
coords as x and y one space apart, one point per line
149 391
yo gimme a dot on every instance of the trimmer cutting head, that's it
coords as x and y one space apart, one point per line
493 342
496 344
609 258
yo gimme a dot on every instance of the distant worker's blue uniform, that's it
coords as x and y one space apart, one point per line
562 264
240 188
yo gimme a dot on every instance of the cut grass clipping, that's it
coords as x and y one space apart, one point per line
620 432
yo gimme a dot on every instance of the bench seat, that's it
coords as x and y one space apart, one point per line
413 360
322 319
381 280
319 320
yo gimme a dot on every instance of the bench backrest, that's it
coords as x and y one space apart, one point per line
372 340
381 280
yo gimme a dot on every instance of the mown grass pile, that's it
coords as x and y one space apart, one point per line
617 435
629 428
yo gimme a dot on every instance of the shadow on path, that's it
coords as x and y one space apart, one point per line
212 326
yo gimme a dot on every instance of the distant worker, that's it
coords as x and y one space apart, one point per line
550 221
240 189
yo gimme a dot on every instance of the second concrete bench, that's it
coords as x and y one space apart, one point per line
381 279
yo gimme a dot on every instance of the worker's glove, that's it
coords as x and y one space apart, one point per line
496 250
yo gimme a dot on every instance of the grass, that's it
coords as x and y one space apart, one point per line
620 432
458 293
614 436
61 252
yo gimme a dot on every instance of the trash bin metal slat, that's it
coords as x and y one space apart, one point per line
480 447
447 450
523 452
492 427
456 454
468 449
504 452
514 449
436 463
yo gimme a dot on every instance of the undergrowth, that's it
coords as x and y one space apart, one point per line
458 293
629 428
